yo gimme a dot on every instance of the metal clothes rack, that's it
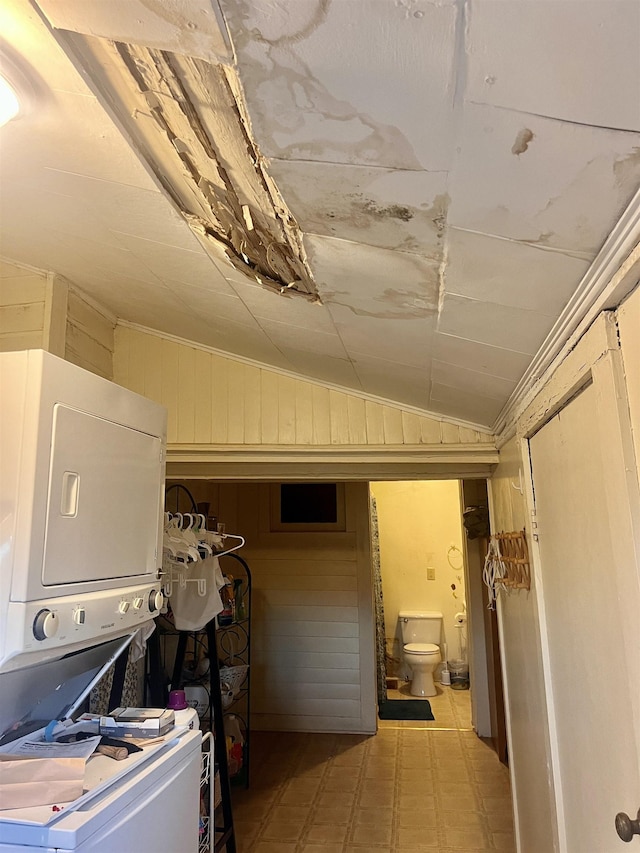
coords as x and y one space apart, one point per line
179 488
234 647
223 834
222 837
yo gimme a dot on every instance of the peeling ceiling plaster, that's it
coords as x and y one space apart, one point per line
185 116
430 183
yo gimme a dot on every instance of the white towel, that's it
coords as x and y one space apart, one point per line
139 642
191 612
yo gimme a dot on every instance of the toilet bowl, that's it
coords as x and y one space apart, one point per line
421 632
422 658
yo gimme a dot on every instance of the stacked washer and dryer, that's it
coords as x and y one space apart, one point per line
81 501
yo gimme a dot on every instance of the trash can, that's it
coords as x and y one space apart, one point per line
459 670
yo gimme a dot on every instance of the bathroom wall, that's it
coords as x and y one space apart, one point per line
418 523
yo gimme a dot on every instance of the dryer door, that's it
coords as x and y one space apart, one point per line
102 505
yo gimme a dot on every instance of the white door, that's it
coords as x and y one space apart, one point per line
586 494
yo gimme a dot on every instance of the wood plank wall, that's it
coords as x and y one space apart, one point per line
40 311
89 341
22 307
214 400
312 629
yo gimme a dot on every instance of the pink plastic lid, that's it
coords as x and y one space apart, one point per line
177 700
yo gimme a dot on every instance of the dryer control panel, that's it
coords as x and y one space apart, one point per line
40 630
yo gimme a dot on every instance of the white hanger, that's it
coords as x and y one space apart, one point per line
176 542
235 547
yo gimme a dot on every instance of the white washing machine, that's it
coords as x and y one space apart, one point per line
81 500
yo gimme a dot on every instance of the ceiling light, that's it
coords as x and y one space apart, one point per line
17 90
9 103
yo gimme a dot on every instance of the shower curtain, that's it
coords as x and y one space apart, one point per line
377 590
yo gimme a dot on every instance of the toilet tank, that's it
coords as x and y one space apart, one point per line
420 626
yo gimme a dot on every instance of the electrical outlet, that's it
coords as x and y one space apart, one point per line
431 573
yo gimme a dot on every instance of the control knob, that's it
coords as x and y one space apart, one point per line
138 601
79 615
123 607
45 624
156 600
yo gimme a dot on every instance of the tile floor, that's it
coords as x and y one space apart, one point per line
451 709
414 786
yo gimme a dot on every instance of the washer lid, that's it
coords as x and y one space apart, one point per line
53 690
422 648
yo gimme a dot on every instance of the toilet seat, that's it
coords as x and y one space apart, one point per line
422 648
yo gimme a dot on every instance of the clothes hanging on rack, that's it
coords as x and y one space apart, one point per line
192 611
193 578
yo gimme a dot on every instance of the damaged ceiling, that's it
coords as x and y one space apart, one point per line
397 197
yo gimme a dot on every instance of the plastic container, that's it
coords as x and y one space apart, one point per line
177 700
459 674
197 697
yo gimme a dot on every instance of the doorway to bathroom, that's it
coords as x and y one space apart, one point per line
418 554
313 617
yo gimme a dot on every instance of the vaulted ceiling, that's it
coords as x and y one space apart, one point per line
398 197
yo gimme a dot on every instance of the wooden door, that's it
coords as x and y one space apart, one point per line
586 496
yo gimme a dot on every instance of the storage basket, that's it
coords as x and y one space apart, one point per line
233 676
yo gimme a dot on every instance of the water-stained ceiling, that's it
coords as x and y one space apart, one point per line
393 196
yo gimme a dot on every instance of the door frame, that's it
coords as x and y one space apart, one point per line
598 358
395 472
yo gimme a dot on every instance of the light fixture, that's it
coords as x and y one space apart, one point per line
9 103
17 92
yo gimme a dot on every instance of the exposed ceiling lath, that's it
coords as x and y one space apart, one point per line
205 158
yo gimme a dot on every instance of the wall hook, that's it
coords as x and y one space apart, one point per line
520 487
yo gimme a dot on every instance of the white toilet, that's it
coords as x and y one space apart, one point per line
421 633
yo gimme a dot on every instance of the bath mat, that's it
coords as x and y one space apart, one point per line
405 709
